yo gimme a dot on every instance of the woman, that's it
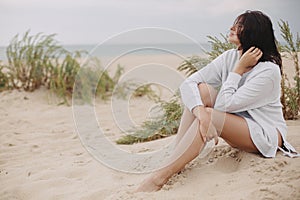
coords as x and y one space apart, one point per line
246 112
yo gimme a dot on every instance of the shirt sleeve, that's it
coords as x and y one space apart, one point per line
254 93
210 74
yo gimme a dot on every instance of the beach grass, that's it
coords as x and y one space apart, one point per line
158 127
290 98
38 60
4 79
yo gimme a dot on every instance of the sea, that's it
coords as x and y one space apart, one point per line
112 50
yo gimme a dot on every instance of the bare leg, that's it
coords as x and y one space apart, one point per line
188 144
208 96
234 130
187 149
187 119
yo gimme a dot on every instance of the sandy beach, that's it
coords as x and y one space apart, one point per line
42 157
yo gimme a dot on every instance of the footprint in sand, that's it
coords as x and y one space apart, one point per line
226 159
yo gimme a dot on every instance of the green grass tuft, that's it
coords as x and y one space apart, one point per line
158 127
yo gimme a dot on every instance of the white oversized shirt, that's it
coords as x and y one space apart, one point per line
257 92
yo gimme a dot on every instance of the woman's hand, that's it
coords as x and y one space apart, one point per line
206 128
208 131
248 60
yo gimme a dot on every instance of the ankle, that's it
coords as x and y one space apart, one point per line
161 178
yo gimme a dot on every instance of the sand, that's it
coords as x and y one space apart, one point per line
42 157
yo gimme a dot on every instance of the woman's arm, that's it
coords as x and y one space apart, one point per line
210 74
254 93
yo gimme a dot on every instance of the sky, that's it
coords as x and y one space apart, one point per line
94 21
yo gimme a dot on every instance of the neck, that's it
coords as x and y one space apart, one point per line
240 52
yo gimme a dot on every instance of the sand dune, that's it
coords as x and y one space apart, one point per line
41 157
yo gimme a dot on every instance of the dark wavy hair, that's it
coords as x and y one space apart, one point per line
255 29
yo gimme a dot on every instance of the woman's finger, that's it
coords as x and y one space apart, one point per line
214 134
250 49
204 138
201 132
256 50
216 139
259 53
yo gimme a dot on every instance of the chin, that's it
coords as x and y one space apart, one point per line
237 43
232 41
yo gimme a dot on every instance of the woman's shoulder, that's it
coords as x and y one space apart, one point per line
267 68
231 54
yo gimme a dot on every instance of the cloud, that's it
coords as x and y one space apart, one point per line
88 21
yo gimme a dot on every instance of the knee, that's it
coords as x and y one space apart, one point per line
208 94
209 110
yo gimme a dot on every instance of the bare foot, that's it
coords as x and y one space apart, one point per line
151 184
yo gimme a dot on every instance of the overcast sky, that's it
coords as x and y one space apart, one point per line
93 21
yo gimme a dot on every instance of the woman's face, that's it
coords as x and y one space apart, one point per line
233 35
